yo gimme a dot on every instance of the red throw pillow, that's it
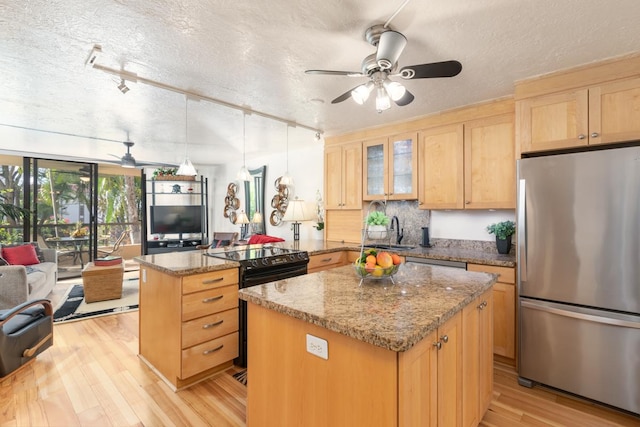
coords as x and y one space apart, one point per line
21 255
263 238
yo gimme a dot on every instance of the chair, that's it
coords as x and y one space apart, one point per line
116 245
26 330
221 239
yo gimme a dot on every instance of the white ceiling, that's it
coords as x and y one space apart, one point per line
253 54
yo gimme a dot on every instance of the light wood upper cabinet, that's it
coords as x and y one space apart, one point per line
390 168
602 114
343 176
490 163
441 160
468 166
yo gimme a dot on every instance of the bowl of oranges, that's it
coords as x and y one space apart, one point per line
377 264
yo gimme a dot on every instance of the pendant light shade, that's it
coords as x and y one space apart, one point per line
186 167
287 179
243 173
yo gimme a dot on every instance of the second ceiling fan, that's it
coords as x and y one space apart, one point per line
382 65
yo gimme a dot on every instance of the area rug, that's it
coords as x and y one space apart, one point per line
73 306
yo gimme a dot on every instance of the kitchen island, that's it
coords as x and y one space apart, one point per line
325 349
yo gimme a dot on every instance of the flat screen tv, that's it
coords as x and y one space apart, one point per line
176 219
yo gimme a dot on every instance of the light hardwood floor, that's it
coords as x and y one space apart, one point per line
93 377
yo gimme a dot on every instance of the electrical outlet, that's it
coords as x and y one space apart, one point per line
318 347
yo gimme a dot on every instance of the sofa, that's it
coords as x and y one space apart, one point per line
20 282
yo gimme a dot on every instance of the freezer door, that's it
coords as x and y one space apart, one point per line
579 228
591 353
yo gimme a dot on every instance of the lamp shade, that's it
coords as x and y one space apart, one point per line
186 168
257 218
295 211
242 218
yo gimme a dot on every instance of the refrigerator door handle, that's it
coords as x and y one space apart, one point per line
618 320
522 237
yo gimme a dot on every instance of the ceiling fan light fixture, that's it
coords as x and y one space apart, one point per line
395 90
382 100
361 93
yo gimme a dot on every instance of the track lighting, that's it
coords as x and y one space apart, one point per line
123 87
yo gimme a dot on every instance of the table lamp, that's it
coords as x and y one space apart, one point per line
244 223
256 223
296 213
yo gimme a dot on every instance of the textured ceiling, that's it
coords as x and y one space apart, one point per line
253 54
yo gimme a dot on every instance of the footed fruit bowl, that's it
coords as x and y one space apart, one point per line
378 265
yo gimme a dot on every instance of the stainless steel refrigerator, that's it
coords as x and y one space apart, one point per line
578 234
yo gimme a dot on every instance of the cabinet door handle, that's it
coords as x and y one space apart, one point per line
212 299
468 202
581 136
326 260
213 350
595 134
437 345
210 281
211 325
444 339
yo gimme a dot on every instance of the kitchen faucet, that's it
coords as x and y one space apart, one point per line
399 233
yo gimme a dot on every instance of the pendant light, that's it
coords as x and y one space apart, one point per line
287 179
243 173
186 167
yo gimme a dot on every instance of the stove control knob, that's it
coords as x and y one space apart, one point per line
254 262
292 257
265 261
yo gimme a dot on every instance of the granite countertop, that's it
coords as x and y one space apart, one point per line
392 316
196 262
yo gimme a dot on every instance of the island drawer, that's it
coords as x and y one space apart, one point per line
206 328
505 274
323 261
209 302
209 354
204 281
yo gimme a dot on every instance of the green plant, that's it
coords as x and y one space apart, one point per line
164 172
377 218
503 230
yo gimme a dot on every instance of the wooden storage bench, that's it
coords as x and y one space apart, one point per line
102 283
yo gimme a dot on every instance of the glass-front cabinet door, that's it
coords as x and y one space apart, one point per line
390 170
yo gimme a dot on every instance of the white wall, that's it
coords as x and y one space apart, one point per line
306 168
466 225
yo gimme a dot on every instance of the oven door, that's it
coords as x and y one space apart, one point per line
258 277
271 274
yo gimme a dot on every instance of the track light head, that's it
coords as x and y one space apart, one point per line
123 87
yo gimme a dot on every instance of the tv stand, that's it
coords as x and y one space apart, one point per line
172 245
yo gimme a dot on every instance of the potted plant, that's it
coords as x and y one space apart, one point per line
377 225
503 231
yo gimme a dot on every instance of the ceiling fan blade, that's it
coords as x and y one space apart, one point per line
336 73
406 99
390 46
343 97
432 70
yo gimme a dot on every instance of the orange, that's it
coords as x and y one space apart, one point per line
396 259
371 259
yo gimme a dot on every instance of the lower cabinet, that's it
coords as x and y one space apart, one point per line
504 309
434 383
477 365
189 324
326 261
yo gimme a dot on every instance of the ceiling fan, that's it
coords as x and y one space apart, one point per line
382 65
128 161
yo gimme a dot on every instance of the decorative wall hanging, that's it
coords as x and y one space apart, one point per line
231 203
279 203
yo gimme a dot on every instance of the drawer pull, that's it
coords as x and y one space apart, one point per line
212 299
210 281
326 260
211 325
213 350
